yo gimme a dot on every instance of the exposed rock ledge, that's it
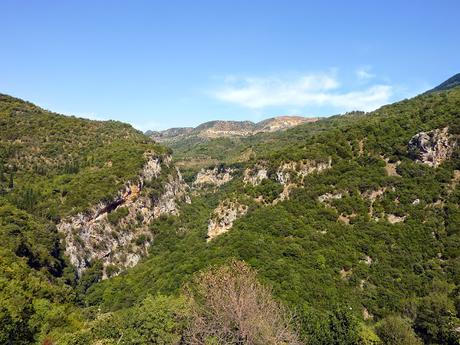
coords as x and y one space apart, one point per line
288 172
296 171
217 176
120 243
255 175
224 216
433 147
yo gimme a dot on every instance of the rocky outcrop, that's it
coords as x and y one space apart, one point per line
367 315
116 232
284 195
433 147
454 182
393 219
281 123
327 197
173 189
216 176
296 171
224 216
345 273
371 196
287 173
367 260
346 218
255 175
361 147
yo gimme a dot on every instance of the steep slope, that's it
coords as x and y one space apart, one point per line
102 183
73 163
347 211
450 83
352 220
75 195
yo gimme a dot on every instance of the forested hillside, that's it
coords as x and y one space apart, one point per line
342 231
52 167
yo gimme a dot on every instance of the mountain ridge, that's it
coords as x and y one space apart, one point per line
349 220
450 83
224 128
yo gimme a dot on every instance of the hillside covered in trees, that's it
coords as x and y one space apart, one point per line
341 231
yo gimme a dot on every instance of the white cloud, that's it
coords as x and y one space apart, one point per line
364 73
303 91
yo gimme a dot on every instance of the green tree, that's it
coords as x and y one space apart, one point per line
394 330
436 320
158 320
338 327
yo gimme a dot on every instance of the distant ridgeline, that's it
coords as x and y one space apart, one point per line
450 83
219 129
343 230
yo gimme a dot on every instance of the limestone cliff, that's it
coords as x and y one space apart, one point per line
224 216
289 174
296 171
217 176
256 174
117 232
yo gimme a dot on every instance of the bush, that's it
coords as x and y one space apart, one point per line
339 327
394 330
114 217
158 320
436 319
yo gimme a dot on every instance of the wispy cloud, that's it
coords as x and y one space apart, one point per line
364 73
306 90
150 125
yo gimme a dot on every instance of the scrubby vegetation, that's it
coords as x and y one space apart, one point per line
51 166
316 263
60 165
364 252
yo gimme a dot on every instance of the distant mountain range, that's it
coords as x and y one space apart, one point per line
220 128
215 129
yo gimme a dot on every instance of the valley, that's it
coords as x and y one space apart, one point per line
344 229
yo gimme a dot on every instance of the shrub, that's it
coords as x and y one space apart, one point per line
229 306
114 217
394 330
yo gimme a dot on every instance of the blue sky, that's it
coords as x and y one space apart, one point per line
161 64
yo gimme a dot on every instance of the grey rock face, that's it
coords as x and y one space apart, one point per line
216 176
119 244
298 170
255 175
433 147
224 216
